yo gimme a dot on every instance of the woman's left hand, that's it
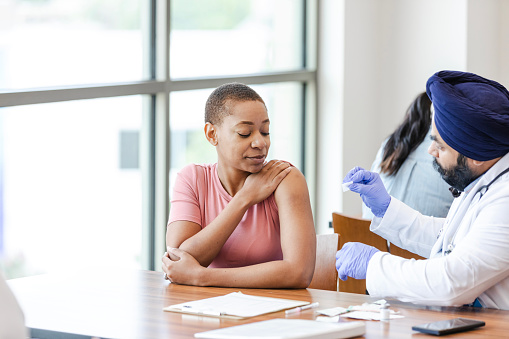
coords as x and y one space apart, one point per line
258 186
185 270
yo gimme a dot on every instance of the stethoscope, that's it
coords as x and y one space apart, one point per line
456 193
485 187
482 191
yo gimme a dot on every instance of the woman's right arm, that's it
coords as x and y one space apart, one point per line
204 244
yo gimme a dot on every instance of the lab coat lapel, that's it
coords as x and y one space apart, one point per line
453 220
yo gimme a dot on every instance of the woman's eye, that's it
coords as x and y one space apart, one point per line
266 134
244 135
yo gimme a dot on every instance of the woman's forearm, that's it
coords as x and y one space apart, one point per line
206 244
273 274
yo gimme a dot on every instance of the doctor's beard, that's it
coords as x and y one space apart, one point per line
459 176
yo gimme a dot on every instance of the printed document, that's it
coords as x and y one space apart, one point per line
236 305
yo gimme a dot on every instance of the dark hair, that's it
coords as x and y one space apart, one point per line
408 135
217 106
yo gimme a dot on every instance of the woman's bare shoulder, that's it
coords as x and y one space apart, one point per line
293 182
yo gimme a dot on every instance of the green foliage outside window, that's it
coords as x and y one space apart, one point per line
209 15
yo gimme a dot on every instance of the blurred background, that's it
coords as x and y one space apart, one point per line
102 102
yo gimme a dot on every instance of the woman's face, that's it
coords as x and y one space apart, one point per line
243 139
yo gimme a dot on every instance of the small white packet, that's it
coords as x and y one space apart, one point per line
331 312
367 315
346 185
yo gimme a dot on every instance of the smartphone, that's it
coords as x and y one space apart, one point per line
448 326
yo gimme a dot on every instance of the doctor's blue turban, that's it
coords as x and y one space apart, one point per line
471 113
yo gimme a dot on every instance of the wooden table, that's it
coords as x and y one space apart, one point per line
128 304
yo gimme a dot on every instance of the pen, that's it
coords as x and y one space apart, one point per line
302 308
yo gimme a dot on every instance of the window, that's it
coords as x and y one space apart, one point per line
53 43
98 113
67 198
235 37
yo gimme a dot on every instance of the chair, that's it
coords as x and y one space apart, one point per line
393 249
357 229
325 276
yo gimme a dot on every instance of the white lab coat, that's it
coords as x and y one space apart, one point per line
476 232
12 321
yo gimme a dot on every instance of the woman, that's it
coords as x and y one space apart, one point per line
406 168
242 222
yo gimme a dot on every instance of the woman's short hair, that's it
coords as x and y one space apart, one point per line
218 103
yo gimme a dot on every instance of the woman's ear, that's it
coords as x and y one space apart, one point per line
211 133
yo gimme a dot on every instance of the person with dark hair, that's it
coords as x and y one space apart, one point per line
243 221
406 168
468 258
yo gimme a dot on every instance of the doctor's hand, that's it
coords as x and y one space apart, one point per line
183 268
353 259
371 188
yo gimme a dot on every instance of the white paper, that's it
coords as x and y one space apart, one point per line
366 315
365 311
288 328
236 304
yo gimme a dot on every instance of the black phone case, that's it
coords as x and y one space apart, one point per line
449 326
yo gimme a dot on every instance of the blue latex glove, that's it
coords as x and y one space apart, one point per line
353 259
371 188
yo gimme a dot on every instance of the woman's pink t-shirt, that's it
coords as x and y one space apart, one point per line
198 196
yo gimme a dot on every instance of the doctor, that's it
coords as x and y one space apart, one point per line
468 250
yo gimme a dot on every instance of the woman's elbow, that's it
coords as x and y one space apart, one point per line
302 276
305 281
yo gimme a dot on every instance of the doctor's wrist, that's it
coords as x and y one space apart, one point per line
379 211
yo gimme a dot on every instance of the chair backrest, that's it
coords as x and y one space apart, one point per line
357 229
325 276
393 249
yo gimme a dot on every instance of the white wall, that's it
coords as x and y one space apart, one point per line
383 52
329 157
488 39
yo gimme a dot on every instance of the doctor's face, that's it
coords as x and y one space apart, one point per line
452 166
